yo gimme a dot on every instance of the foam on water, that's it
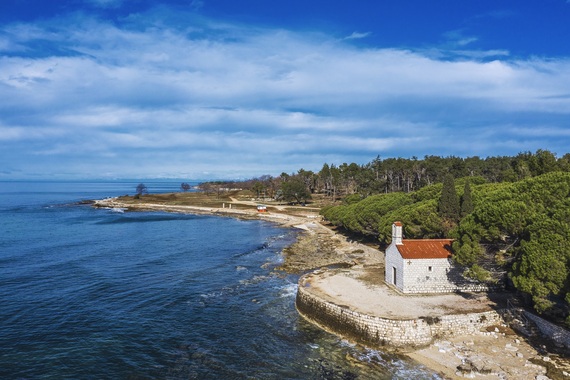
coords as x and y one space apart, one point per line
289 290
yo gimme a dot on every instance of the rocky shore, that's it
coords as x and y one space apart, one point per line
499 353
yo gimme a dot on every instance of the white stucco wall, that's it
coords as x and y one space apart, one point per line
394 260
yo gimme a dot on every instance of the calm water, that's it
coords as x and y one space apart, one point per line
95 294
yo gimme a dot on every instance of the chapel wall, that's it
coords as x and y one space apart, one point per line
394 260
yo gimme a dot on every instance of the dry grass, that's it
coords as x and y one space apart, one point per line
180 199
202 199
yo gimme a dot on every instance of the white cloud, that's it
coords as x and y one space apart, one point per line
213 95
357 36
457 39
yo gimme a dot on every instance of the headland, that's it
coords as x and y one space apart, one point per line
457 335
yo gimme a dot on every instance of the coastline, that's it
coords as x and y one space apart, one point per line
318 246
282 219
456 335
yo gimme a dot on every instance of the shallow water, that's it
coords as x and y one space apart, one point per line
92 293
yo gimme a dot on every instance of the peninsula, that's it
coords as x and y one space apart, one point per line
347 284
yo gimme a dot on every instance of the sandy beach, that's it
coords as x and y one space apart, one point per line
357 280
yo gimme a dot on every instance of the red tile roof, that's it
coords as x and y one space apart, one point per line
425 248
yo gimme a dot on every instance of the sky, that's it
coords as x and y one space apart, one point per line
225 89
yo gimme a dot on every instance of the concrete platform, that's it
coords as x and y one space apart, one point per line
362 289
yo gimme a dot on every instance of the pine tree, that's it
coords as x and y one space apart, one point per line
466 201
449 202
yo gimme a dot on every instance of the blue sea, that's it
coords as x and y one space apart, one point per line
90 293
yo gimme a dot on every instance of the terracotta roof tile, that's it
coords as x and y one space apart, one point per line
425 248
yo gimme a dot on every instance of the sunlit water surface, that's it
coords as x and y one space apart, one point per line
97 294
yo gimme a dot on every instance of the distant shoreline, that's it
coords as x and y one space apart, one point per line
317 246
282 219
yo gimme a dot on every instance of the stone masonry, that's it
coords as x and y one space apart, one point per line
425 268
378 331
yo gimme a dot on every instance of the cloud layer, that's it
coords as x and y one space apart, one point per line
153 97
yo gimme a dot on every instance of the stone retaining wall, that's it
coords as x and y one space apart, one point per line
553 332
377 331
451 288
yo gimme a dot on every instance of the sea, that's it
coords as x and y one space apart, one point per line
89 293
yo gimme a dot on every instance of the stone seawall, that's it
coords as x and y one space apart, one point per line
556 334
378 331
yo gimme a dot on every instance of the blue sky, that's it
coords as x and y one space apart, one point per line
238 89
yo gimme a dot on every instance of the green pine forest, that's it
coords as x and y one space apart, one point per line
515 233
509 216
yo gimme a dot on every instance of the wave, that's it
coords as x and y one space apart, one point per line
259 248
254 280
289 290
395 365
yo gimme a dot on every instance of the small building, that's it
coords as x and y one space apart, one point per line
419 265
261 208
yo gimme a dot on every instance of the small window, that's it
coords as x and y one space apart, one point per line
429 269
